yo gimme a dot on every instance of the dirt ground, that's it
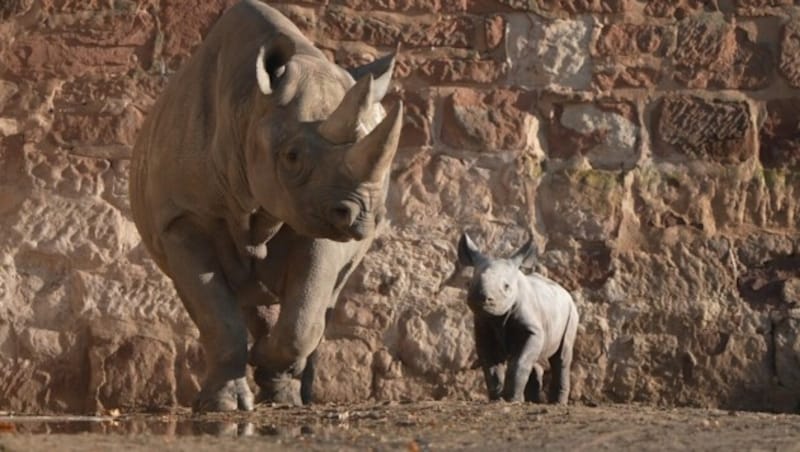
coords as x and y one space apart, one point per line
413 427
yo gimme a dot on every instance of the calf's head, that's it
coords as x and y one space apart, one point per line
321 150
495 283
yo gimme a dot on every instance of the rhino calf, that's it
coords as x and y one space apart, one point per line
521 321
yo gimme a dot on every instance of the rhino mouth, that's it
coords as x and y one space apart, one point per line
355 232
330 231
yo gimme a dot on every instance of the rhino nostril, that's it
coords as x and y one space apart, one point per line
343 214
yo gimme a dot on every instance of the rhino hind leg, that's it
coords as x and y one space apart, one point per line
201 285
307 380
560 364
533 390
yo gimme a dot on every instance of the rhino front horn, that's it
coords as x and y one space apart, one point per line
370 158
342 125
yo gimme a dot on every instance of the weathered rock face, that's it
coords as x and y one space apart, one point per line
653 148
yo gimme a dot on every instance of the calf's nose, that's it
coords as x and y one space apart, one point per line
481 297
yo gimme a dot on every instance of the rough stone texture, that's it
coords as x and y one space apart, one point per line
679 9
780 134
606 133
549 52
626 39
558 8
705 129
485 121
790 52
651 147
711 52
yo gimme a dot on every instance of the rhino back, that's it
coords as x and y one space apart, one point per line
189 154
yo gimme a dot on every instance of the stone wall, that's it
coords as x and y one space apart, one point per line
652 146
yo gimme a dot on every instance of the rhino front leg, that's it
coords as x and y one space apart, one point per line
201 285
282 360
533 390
260 320
285 363
491 355
520 367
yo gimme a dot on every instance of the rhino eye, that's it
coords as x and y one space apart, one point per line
506 286
291 156
295 169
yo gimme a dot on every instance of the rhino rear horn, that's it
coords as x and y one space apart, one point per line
371 157
342 125
271 62
381 70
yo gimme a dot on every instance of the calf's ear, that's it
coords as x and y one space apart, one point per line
525 253
468 253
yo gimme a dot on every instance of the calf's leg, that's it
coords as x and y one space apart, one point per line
491 355
533 390
561 363
520 368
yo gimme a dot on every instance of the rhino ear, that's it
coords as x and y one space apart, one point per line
271 61
468 253
525 253
381 70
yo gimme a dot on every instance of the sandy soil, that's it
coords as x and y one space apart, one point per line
413 427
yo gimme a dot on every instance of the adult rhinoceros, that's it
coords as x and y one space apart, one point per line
260 177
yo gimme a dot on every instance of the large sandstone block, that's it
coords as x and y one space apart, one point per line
407 6
630 55
183 25
387 29
486 121
700 128
606 133
580 204
558 8
678 9
344 371
780 134
129 370
549 53
418 120
711 52
443 69
790 52
437 341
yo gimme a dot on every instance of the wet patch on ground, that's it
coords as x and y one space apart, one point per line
413 426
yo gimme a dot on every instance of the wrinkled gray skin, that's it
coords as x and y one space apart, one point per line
521 321
259 177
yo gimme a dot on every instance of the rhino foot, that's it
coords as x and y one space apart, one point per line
281 389
232 395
